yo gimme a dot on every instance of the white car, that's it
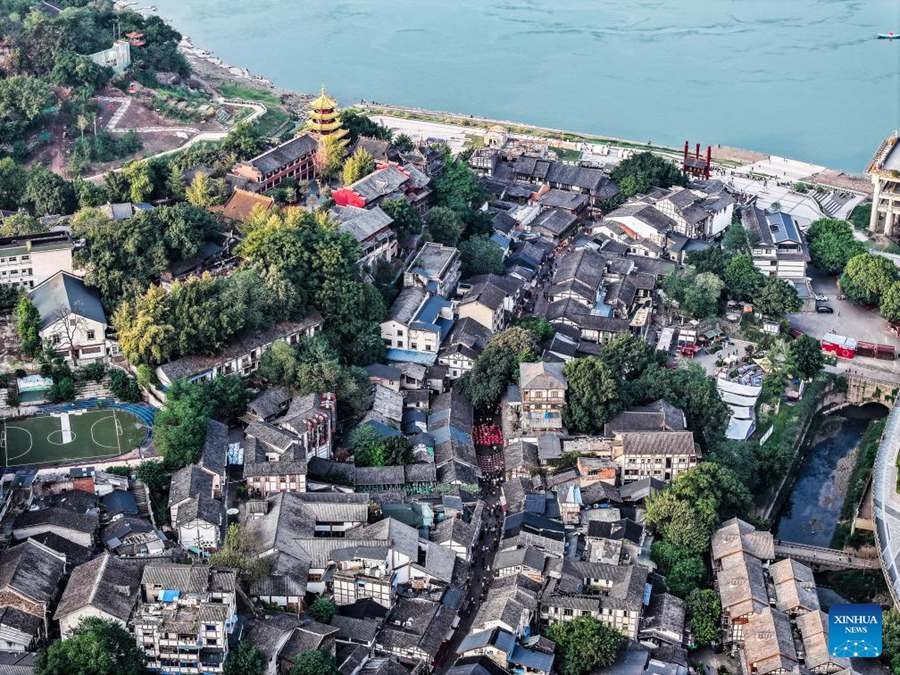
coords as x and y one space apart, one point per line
821 298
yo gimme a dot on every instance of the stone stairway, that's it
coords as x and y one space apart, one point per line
141 495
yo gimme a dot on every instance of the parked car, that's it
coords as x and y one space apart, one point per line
821 298
824 309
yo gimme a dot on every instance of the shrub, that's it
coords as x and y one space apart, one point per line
123 386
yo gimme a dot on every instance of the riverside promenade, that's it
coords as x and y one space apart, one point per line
886 503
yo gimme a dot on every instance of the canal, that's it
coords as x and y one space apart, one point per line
813 509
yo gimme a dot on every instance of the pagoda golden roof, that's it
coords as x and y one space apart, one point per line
323 127
323 102
326 116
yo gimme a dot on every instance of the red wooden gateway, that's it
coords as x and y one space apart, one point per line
695 165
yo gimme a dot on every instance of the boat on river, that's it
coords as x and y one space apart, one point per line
889 36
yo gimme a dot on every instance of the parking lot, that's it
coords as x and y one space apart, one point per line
848 319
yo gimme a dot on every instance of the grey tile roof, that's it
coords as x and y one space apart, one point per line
380 183
189 481
269 633
661 443
31 570
286 153
352 629
215 447
244 343
271 435
57 517
19 620
107 583
361 224
269 402
403 310
64 293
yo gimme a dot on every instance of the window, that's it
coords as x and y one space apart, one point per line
90 335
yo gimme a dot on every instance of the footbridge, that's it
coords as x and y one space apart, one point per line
819 556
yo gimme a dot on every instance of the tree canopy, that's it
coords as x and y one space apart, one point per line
95 647
705 613
831 244
867 277
28 322
592 397
358 165
807 356
497 366
644 170
322 609
444 225
480 255
777 297
742 279
314 662
244 659
585 644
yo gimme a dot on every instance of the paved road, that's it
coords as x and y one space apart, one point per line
202 137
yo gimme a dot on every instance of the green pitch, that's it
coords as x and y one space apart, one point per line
89 434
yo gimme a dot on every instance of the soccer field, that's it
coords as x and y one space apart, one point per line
71 436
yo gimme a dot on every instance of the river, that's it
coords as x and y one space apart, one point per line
804 78
814 507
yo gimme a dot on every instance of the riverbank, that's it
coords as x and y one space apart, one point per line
238 80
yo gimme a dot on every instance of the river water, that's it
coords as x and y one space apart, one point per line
800 78
814 507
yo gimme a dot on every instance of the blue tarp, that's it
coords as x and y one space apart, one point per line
169 595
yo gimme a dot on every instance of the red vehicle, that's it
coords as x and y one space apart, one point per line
866 349
839 345
886 352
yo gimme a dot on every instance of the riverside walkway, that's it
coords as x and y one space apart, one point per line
824 557
886 503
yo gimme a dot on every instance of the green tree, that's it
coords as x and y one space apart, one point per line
628 356
46 193
236 552
227 396
867 277
180 426
444 225
742 279
12 184
776 298
807 356
711 259
697 294
403 143
646 170
353 312
198 193
23 100
684 570
735 239
359 124
689 389
368 450
245 659
358 165
592 397
540 329
407 221
831 244
322 609
19 224
679 523
314 662
95 647
153 474
144 327
28 323
457 187
329 156
497 366
585 644
480 255
243 141
123 386
278 365
705 613
890 654
890 302
140 180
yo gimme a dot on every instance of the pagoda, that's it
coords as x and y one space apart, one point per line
323 118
